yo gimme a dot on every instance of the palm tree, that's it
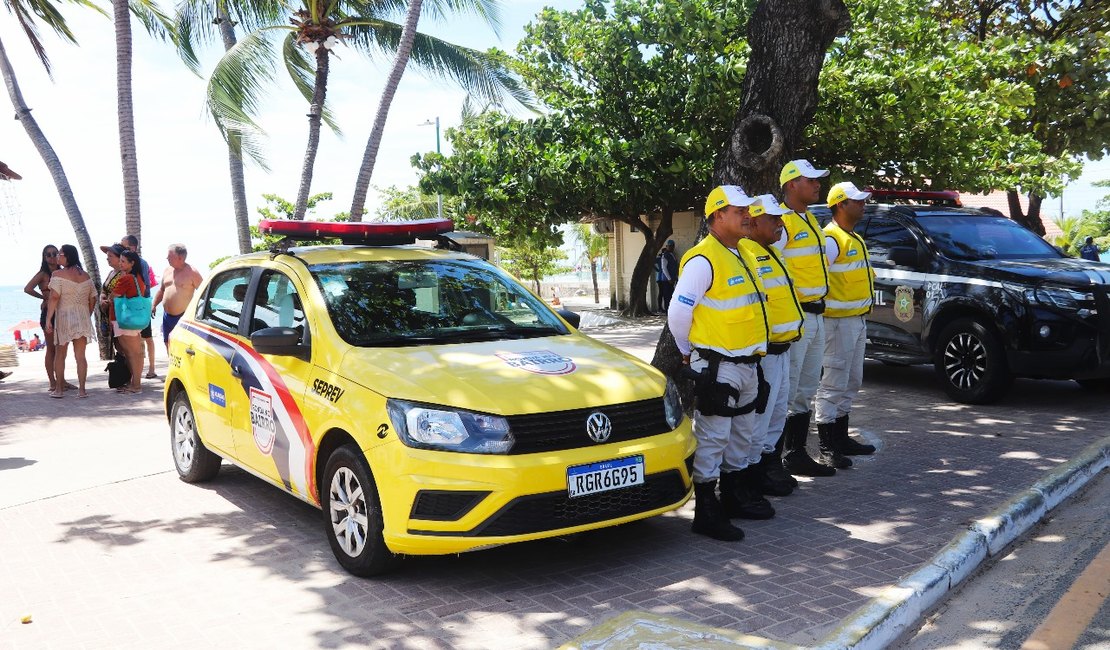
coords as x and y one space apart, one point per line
26 12
314 29
596 247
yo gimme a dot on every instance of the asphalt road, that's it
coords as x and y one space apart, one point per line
1007 602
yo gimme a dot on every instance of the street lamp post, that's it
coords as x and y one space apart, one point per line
439 197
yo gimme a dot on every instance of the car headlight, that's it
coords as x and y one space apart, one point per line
1058 297
425 427
672 406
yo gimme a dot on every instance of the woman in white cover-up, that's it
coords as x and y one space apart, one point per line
69 316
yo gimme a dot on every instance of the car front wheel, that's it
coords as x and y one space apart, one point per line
353 514
192 459
971 363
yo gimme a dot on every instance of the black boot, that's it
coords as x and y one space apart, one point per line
740 498
773 463
830 453
796 460
847 446
709 518
770 478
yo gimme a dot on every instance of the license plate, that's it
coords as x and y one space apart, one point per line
604 476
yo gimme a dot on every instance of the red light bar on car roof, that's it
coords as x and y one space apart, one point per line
379 233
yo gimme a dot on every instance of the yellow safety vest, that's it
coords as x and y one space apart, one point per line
731 318
851 278
784 310
805 255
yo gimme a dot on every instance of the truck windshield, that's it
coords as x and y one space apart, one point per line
401 303
975 238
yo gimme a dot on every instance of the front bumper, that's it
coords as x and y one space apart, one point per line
437 502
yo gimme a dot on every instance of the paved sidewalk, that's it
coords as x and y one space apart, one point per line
105 548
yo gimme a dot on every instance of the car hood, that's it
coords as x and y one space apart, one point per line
507 377
1064 271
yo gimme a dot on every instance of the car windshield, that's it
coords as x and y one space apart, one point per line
974 238
399 303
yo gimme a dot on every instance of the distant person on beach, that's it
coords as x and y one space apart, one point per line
131 242
39 287
69 316
179 282
36 342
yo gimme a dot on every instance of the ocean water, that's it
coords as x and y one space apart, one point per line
14 307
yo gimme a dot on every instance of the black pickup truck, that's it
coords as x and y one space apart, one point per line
982 299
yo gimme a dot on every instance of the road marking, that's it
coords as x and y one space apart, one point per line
1076 609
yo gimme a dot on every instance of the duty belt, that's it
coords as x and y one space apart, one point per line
814 306
777 348
713 396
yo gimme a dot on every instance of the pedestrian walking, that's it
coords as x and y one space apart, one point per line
719 322
851 296
803 247
666 273
785 317
69 317
39 287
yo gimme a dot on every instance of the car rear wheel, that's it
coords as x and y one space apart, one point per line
971 363
353 514
192 459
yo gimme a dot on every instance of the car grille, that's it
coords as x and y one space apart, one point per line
557 430
554 510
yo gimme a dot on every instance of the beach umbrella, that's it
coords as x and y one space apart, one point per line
27 324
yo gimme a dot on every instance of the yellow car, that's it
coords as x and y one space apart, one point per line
421 397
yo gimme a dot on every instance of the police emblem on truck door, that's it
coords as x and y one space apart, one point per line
903 304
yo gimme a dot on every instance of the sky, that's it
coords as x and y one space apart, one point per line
185 193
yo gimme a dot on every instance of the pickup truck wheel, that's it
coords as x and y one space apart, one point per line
192 459
971 363
353 514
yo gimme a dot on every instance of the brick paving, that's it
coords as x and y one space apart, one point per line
106 548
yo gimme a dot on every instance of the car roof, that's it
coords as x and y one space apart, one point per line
312 255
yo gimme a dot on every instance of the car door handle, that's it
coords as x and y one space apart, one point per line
235 372
190 351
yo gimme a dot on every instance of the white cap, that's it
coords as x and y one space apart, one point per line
797 168
766 204
725 195
846 190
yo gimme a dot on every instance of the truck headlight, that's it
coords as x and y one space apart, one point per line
672 406
1058 297
427 427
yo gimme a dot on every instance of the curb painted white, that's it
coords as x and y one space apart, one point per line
898 608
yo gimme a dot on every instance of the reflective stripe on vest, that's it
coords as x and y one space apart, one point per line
732 317
784 312
805 255
851 279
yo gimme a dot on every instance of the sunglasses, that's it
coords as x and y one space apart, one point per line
54 254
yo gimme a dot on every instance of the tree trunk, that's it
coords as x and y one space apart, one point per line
788 40
235 151
370 156
645 263
593 276
1030 219
315 111
125 117
57 173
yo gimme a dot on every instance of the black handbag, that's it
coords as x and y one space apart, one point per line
119 373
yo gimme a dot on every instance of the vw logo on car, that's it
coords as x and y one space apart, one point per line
598 427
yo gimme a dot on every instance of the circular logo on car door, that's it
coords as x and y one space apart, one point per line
598 427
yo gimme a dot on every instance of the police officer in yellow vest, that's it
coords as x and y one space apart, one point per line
718 317
803 247
851 293
785 316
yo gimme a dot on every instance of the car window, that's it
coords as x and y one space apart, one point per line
423 302
884 233
223 301
974 237
276 303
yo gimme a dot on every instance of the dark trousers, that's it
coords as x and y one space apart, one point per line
666 290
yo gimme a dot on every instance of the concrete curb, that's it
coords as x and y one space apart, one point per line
886 617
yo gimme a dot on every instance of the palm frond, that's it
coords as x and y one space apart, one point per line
29 13
235 91
156 22
478 73
301 67
488 10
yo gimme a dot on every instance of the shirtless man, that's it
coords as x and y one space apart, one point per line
179 283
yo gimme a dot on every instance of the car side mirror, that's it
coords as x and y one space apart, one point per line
285 341
902 256
569 316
